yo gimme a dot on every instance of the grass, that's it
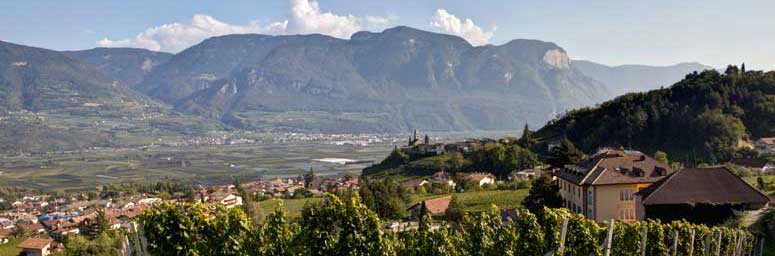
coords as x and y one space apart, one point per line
474 201
10 248
292 206
768 179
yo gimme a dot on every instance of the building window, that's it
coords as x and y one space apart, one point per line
626 195
626 214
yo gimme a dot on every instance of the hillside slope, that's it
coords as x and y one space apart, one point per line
127 65
50 101
699 119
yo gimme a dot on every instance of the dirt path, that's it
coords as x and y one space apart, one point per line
753 216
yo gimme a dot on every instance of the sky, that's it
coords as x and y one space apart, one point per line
612 32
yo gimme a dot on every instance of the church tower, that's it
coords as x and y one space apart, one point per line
416 138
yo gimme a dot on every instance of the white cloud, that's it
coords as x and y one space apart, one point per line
464 28
105 42
177 36
377 23
305 17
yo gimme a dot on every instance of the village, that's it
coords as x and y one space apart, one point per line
612 184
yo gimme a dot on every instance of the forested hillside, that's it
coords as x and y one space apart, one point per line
699 119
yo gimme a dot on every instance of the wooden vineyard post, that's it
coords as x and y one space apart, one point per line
675 243
609 237
563 231
691 242
707 243
643 240
734 246
761 246
718 244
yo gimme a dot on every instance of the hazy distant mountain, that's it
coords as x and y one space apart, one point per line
51 101
39 79
636 78
396 80
127 65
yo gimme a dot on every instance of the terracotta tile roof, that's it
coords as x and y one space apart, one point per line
5 232
35 243
478 176
704 185
436 205
767 140
616 167
36 227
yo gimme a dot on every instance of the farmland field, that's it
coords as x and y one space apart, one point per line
87 169
204 164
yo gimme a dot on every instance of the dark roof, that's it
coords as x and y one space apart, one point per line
615 167
703 185
751 163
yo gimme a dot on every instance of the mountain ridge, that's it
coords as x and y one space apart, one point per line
622 79
374 75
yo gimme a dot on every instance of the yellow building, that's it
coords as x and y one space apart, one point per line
603 187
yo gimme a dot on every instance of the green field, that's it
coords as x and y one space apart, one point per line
10 248
473 201
769 179
292 206
482 200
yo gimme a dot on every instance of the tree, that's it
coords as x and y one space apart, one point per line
454 212
396 158
456 161
276 234
761 183
543 193
385 196
565 153
309 178
527 140
519 158
490 158
423 209
21 230
101 222
661 157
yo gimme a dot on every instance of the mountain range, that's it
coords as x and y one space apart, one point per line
391 81
625 79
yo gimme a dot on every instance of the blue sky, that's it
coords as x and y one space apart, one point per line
611 32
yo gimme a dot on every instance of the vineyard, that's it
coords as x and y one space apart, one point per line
347 227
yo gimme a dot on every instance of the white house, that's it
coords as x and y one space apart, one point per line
765 145
482 178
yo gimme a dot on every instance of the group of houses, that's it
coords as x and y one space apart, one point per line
445 179
47 231
419 145
630 185
315 185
